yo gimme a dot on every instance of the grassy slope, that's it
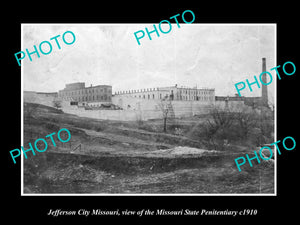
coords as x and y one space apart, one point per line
49 172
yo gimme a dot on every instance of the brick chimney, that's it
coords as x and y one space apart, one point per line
264 90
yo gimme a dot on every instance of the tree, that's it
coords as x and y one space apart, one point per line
265 126
56 103
217 127
220 118
165 106
246 119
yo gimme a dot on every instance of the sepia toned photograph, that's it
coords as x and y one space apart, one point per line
162 117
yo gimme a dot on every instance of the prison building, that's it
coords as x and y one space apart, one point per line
171 93
77 92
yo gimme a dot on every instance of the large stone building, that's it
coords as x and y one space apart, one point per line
172 93
77 92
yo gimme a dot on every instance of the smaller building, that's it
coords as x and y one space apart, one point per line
239 101
93 95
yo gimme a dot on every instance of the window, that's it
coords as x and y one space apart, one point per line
153 96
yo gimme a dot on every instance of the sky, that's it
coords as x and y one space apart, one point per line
203 55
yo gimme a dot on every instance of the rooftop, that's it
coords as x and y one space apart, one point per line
81 85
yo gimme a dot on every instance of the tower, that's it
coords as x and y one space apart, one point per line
264 91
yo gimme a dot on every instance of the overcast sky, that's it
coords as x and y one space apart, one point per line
215 56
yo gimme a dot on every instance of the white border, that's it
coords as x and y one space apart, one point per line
275 112
22 117
175 194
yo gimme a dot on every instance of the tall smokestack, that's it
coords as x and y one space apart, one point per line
264 91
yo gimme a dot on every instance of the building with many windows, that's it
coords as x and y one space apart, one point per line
172 93
78 93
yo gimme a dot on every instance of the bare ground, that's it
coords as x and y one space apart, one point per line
129 157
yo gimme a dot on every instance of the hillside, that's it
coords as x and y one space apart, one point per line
133 157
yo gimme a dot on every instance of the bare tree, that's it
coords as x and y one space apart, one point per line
265 126
166 107
210 131
221 117
271 102
246 119
139 119
217 125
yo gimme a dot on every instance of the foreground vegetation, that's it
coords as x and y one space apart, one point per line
111 158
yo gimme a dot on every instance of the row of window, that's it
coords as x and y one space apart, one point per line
195 98
193 92
92 98
149 96
85 91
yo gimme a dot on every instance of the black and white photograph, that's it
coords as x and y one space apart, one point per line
110 111
127 113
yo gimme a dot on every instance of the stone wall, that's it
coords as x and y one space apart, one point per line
133 108
136 109
232 105
39 98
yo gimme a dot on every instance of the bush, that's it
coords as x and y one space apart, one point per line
244 127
